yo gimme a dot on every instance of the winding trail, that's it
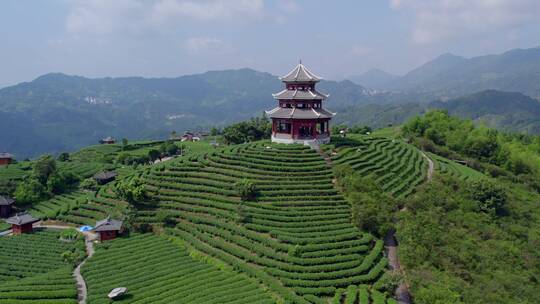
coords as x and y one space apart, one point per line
431 166
89 238
403 296
402 293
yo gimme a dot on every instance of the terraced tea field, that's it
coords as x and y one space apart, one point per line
91 208
33 270
398 167
361 294
296 239
463 172
156 270
53 207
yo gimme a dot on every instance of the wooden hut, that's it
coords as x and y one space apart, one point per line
108 229
107 141
5 206
22 222
106 177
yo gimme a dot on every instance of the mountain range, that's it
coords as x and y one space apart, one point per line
58 112
450 76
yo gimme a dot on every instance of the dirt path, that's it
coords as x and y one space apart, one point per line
431 166
88 241
402 292
81 284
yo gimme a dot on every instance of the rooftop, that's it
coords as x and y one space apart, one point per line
108 224
5 155
21 219
299 113
300 95
105 175
300 74
6 201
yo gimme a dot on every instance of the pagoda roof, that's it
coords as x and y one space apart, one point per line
108 224
6 201
300 74
5 155
299 113
21 219
300 95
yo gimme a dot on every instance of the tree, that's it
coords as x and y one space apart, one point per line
490 197
63 157
214 131
372 209
171 149
247 131
359 129
44 166
89 184
246 189
124 158
29 192
60 182
154 155
131 190
124 143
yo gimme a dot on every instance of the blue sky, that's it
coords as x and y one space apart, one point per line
163 38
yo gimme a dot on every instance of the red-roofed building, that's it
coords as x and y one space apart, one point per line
5 158
300 116
22 223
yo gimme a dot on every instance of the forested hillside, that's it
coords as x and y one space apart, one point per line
468 237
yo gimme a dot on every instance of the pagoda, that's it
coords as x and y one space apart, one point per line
300 116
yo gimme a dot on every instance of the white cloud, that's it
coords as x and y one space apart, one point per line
207 9
108 16
443 19
361 50
102 16
288 6
197 45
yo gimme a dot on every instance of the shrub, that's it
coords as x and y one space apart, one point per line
89 184
246 190
69 234
166 218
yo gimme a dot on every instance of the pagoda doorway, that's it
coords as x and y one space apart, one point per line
305 131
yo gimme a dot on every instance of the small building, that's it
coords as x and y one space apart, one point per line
106 177
5 158
5 206
300 116
188 136
22 222
108 229
107 141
